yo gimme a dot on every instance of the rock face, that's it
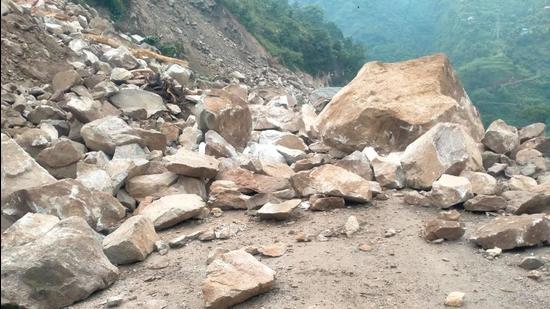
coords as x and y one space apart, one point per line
514 232
445 149
228 115
141 104
192 164
500 137
173 209
61 266
332 180
106 133
66 198
133 241
450 190
372 111
234 277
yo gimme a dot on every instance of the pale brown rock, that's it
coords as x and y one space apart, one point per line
217 146
388 171
248 181
141 104
274 250
192 164
450 190
522 183
324 203
62 153
501 137
150 185
28 228
455 299
279 211
225 194
485 203
481 183
173 209
449 215
357 163
416 198
443 229
371 110
531 131
153 139
106 133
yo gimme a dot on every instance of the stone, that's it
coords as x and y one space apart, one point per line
274 250
372 111
66 198
120 75
62 153
130 152
531 131
523 202
190 138
308 118
249 182
94 178
416 198
482 183
28 228
178 73
450 190
33 141
64 80
228 115
225 194
332 180
85 109
60 267
535 275
234 277
531 262
192 164
522 183
106 133
497 169
311 161
485 203
320 97
284 139
153 139
455 299
388 171
133 241
443 229
141 104
357 163
173 209
324 203
501 137
491 254
449 215
280 211
513 232
45 113
120 57
126 200
217 146
445 149
352 226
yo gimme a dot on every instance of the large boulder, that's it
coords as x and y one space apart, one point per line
389 105
133 241
501 137
63 265
106 133
445 149
233 278
332 180
27 229
141 104
513 232
228 115
173 209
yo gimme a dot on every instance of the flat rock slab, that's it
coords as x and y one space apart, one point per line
513 232
485 203
27 229
138 102
443 229
274 250
106 133
192 164
173 209
233 278
279 211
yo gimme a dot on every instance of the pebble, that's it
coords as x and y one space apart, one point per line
455 299
531 262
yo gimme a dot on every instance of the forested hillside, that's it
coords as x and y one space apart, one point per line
501 49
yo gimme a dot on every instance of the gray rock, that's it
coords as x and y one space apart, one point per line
500 137
485 203
141 104
531 262
106 133
450 190
173 209
279 211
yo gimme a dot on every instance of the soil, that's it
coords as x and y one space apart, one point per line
402 271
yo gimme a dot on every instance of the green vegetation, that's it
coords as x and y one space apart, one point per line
175 50
500 48
117 8
300 37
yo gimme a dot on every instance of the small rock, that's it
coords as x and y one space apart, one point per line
114 301
535 275
450 215
365 247
275 250
448 230
390 233
351 226
455 299
280 211
161 247
531 263
492 253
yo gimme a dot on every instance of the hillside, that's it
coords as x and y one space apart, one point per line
499 48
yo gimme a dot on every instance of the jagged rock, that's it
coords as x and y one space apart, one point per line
153 139
522 183
228 115
523 202
192 164
279 211
388 171
319 98
62 153
357 163
531 131
532 160
94 178
248 181
274 250
126 200
66 198
173 209
19 170
332 181
85 109
45 113
133 241
106 133
450 190
274 169
485 203
308 118
180 74
265 117
225 194
324 203
233 278
443 229
217 146
481 183
513 232
372 111
63 265
33 141
120 57
190 138
28 228
310 162
500 137
445 149
416 198
352 226
141 104
497 169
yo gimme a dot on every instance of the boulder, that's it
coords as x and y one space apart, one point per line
64 80
445 149
482 183
234 277
33 141
372 111
141 104
320 97
279 211
450 190
522 183
28 228
225 194
217 146
178 73
85 109
106 133
66 198
62 153
501 137
531 131
94 178
249 182
443 229
61 266
388 171
485 203
226 114
357 163
153 139
332 180
513 232
133 241
192 164
324 203
173 209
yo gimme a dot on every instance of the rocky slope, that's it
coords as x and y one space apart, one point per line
121 162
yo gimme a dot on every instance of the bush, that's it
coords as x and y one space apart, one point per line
117 8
